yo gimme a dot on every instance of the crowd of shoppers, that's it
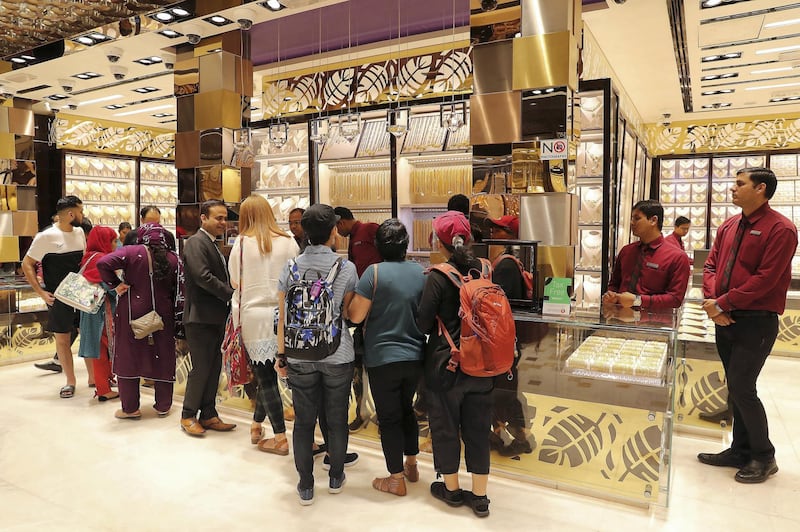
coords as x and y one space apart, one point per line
297 301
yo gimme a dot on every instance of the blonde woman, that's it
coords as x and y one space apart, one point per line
264 249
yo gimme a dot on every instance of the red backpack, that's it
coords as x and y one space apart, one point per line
488 335
527 277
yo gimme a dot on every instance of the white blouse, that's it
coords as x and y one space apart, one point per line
259 292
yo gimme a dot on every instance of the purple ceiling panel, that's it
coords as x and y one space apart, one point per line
356 22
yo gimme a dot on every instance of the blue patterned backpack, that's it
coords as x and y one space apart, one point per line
313 326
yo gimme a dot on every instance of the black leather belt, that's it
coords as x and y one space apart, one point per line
738 314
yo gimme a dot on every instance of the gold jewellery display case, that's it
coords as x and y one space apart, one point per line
23 316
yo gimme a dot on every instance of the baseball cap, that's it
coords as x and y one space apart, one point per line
319 215
452 224
508 222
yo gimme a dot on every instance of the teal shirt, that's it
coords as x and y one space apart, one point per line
391 329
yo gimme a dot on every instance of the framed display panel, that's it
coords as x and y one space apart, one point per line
595 170
158 185
425 134
282 175
626 188
106 185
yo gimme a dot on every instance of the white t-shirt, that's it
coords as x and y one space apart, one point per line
59 252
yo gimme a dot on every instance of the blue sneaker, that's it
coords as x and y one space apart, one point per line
306 496
350 459
337 484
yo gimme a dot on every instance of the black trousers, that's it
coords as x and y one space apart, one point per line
743 348
204 340
268 396
465 408
393 386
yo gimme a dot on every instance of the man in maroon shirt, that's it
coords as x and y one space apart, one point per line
745 280
362 252
682 224
648 274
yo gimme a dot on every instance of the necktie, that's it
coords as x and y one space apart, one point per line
637 270
737 240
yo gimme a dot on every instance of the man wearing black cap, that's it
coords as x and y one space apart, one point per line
329 377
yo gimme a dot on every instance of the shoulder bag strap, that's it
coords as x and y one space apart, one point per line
334 271
374 289
87 263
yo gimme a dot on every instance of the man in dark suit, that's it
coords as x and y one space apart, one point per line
208 295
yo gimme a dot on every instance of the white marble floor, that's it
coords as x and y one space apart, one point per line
70 465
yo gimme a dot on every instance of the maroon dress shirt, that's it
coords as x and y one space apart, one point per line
362 250
675 240
663 273
762 269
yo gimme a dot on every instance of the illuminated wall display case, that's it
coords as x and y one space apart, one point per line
106 185
281 171
158 185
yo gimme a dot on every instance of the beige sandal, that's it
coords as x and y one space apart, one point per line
393 485
271 445
256 433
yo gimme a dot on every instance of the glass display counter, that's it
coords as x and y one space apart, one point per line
23 316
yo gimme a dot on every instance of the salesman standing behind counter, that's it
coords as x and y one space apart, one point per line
649 274
745 280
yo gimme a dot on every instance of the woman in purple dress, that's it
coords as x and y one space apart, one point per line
150 358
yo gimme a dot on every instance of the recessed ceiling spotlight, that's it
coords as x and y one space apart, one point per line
717 105
90 39
720 91
113 106
777 100
162 115
721 57
56 97
87 75
172 34
171 15
28 57
712 77
272 5
180 12
164 16
18 60
146 90
218 20
707 4
152 60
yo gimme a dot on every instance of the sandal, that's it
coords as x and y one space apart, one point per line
107 397
256 433
390 484
67 391
271 445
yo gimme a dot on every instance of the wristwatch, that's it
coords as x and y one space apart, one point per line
637 302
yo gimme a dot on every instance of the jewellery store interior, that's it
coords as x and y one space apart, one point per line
390 108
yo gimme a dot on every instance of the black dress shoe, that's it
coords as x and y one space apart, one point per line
755 471
50 365
727 458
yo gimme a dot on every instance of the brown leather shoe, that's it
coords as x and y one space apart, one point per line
217 424
393 485
411 472
192 427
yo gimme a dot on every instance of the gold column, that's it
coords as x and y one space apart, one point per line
213 87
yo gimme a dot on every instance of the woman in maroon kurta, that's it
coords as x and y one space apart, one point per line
141 358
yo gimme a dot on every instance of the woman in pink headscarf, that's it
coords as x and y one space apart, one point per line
151 357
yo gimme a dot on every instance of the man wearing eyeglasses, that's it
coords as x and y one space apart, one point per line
745 280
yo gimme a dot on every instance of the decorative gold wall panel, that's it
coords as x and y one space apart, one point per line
769 132
220 108
187 76
495 118
106 136
548 60
423 76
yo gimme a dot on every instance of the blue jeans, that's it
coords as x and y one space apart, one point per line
314 384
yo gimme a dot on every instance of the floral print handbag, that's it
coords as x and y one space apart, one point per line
77 292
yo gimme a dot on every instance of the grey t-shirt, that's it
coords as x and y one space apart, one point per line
318 260
391 333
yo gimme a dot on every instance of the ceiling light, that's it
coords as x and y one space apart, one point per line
777 100
17 60
146 90
763 87
28 57
778 49
783 23
85 40
768 70
162 115
218 20
87 75
172 34
716 105
113 106
103 99
712 77
164 17
707 4
148 60
721 57
147 110
273 5
56 97
180 12
90 39
720 91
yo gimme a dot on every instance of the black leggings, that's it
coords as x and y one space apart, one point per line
268 397
393 386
